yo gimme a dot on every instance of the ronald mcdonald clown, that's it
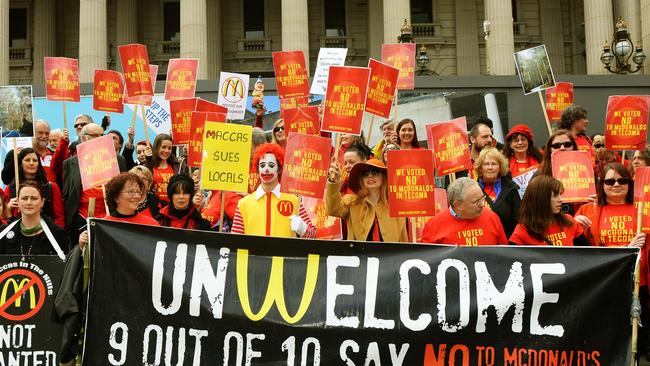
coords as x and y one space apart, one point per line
267 211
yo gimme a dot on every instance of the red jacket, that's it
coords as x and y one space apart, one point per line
192 220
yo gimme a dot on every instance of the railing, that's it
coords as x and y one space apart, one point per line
336 42
427 30
20 53
254 45
168 49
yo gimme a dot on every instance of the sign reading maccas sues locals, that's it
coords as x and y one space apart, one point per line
197 124
226 156
62 79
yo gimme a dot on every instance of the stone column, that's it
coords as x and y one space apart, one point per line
44 37
599 27
4 42
375 28
467 53
194 34
395 11
295 28
214 39
550 13
501 44
92 38
578 60
631 13
645 33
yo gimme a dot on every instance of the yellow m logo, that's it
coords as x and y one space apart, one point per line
233 87
17 286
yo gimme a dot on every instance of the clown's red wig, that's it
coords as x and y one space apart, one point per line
268 148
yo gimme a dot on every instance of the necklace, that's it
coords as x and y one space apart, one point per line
31 245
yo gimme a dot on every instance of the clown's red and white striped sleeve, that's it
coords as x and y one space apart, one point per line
311 229
237 223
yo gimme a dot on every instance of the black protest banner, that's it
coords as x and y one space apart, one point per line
27 288
178 297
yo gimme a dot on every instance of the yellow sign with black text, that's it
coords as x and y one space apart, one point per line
226 156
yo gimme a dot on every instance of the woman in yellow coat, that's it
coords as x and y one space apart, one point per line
366 210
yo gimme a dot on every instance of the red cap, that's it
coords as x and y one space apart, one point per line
522 129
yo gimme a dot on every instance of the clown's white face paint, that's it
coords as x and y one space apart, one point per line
268 168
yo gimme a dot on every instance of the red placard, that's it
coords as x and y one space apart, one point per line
203 105
291 74
62 79
135 64
97 162
441 204
286 103
108 90
381 88
195 148
302 120
143 99
181 116
402 57
642 196
345 99
181 78
450 146
306 162
327 227
558 98
575 170
411 183
626 122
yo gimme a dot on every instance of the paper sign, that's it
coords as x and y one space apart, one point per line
306 163
327 227
326 57
146 100
626 122
97 162
180 111
450 146
441 204
195 148
135 64
226 157
381 88
523 179
108 91
302 120
402 57
345 100
558 98
21 142
642 196
291 74
286 103
534 69
203 105
411 183
62 79
575 170
233 93
181 78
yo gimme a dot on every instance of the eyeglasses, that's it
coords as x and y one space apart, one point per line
480 202
519 140
370 173
79 125
558 145
132 193
598 146
620 181
279 128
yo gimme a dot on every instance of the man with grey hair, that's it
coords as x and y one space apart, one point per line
388 136
466 222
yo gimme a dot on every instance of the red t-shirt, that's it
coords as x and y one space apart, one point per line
100 209
617 225
489 190
139 218
561 237
212 209
584 144
517 168
447 229
161 177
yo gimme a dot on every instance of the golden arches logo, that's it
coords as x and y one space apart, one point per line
275 289
233 89
16 287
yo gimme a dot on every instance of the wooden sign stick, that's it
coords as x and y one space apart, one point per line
146 129
548 122
65 116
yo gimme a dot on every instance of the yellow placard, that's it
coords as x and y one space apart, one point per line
226 156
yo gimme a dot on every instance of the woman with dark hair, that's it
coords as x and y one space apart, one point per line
541 221
407 135
184 201
163 164
30 168
560 140
612 222
356 153
123 196
520 150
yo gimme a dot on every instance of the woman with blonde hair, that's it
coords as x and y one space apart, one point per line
278 136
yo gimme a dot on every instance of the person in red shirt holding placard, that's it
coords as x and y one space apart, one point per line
641 158
560 140
163 164
407 135
123 196
466 222
612 223
520 150
574 119
541 221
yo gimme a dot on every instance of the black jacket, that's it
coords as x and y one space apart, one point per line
69 305
507 205
10 244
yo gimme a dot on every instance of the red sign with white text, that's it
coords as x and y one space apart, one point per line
575 170
302 120
626 122
420 222
411 183
306 163
181 78
180 111
62 79
642 196
291 74
97 162
327 227
558 98
108 91
345 99
381 88
143 99
402 57
203 105
135 64
286 103
195 148
450 146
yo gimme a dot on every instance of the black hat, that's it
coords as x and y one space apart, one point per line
180 179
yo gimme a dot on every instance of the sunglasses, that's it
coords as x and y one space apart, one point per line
598 146
558 145
370 173
276 129
612 181
78 125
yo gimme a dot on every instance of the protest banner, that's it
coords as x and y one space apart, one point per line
203 105
450 146
522 179
327 227
97 161
28 285
145 100
381 88
326 57
574 169
62 79
626 122
180 111
197 124
226 156
642 198
286 103
421 221
515 309
302 120
534 69
411 183
108 91
401 56
181 78
233 93
291 74
135 64
558 98
345 100
306 163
